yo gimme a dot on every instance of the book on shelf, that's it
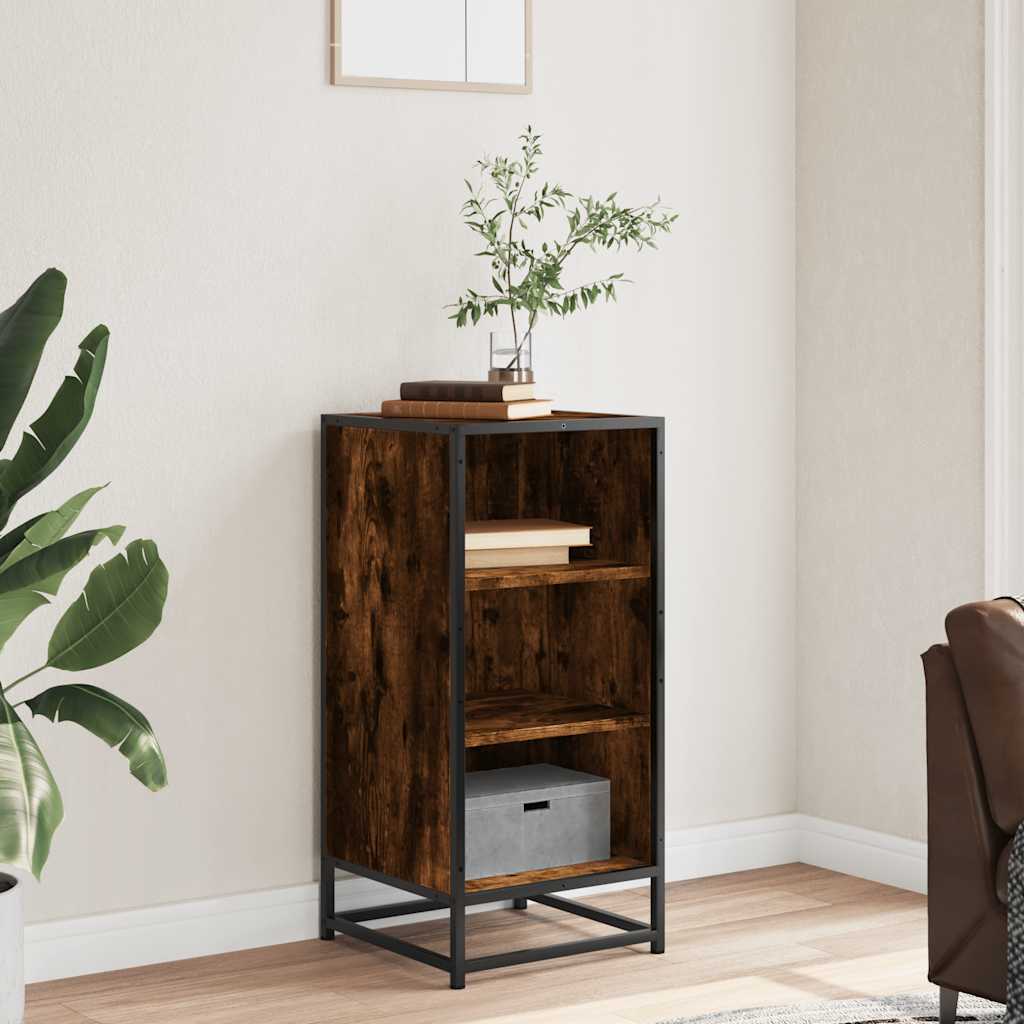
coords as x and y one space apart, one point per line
464 391
529 409
487 534
503 558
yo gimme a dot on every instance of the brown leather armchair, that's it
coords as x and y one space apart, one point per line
975 708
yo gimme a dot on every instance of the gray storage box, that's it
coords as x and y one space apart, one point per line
538 816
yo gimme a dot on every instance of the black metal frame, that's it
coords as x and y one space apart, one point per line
628 931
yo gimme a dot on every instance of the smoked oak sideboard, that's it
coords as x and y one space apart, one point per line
430 670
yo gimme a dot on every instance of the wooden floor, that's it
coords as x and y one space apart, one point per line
778 935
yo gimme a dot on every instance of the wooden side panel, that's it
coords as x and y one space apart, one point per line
386 651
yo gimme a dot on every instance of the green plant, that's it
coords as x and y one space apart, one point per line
530 279
119 607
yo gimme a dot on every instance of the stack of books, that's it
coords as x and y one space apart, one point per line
500 543
466 400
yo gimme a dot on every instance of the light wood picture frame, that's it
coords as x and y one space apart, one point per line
456 38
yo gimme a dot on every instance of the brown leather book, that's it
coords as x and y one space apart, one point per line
466 410
464 391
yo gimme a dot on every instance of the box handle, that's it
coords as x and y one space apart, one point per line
539 805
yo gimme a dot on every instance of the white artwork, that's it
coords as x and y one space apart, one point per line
437 44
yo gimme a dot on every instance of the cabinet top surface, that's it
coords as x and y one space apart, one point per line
557 421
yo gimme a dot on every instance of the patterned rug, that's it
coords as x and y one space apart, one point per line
885 1010
1015 932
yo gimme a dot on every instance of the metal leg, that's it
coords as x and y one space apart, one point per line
326 898
457 952
658 688
658 914
948 998
519 903
457 708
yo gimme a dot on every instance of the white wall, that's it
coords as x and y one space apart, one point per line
264 248
890 455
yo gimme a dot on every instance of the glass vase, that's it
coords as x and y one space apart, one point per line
511 358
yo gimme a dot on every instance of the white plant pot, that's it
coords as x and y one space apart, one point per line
12 952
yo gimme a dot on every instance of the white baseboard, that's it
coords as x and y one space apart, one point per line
877 856
179 931
732 846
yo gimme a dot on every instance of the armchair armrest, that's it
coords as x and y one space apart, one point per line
966 921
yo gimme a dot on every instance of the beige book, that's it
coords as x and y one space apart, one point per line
503 558
524 533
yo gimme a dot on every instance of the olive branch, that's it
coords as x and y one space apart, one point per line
527 279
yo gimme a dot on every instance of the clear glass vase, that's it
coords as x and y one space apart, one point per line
511 358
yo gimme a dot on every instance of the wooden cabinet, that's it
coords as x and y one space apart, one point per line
430 670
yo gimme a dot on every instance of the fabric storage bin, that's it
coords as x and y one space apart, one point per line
537 816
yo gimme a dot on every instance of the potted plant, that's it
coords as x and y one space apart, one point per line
527 279
12 974
119 607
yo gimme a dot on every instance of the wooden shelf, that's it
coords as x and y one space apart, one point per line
509 716
593 867
512 577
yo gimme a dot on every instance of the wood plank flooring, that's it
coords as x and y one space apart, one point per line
778 935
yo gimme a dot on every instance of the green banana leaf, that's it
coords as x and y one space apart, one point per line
113 720
44 569
24 329
49 527
10 540
120 607
15 608
30 805
54 434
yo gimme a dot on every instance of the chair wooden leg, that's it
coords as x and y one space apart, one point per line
948 998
